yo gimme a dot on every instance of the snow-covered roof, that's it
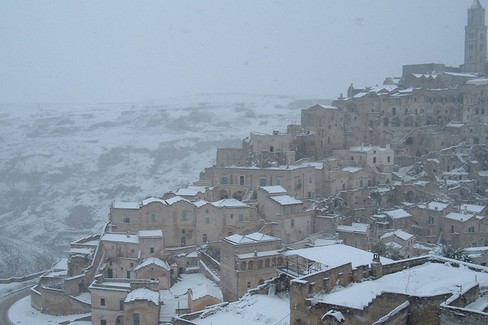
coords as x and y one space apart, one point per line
351 169
336 255
206 290
153 261
354 227
472 208
425 280
150 200
277 189
459 216
285 200
478 82
176 199
151 233
125 205
230 203
483 173
455 124
119 237
191 190
397 214
251 238
367 148
434 206
399 233
336 314
81 251
143 294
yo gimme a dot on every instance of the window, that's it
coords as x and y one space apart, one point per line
128 274
207 220
271 149
471 229
452 229
262 181
223 180
102 301
151 250
374 160
121 304
153 217
136 319
266 263
388 159
260 264
431 220
205 239
241 180
183 241
250 265
184 215
126 220
241 217
249 284
292 223
103 322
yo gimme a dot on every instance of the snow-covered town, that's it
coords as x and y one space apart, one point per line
370 210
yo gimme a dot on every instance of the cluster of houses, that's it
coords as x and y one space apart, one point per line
402 166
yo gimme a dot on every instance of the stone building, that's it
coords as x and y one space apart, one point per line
285 216
475 40
186 223
423 290
246 261
356 235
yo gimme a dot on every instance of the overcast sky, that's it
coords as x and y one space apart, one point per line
148 50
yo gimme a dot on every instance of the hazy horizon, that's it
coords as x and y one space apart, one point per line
128 51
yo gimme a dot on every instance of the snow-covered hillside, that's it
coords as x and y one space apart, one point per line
62 165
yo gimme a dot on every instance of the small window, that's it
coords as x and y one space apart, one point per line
223 180
262 182
151 250
136 319
292 223
126 220
103 322
205 239
102 301
241 180
388 159
121 304
207 220
153 217
241 217
184 215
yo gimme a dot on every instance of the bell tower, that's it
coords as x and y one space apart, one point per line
475 40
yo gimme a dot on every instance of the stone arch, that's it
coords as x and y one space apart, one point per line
119 320
223 194
238 195
410 197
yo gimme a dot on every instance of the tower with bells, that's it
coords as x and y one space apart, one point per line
475 40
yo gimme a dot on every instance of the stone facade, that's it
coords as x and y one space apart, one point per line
246 262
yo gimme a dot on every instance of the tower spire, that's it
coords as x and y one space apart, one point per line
475 40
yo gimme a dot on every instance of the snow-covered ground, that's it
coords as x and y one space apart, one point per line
22 313
256 309
62 165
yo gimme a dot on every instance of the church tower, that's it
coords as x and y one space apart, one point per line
475 40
